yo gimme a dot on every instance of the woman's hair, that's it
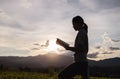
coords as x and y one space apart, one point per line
85 27
80 19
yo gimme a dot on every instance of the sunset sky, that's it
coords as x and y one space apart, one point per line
26 26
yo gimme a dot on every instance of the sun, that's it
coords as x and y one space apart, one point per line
52 45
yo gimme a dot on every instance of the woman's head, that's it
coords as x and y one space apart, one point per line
77 22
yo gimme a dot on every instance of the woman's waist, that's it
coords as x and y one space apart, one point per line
80 57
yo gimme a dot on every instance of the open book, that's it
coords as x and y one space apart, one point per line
61 43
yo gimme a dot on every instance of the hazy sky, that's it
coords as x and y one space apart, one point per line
26 22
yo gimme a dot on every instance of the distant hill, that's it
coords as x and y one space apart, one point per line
39 61
49 60
108 62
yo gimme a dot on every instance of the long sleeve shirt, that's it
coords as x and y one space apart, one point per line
81 42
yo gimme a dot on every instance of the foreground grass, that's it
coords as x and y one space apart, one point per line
26 75
36 75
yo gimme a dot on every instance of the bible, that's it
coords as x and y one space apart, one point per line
62 43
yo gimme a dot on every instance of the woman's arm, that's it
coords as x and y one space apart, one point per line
74 49
70 48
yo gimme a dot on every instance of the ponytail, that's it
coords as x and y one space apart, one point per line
85 27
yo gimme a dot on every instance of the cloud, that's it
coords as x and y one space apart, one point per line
9 51
98 47
26 3
37 20
107 40
37 44
93 55
35 49
8 21
105 49
107 52
112 4
96 4
115 40
40 47
88 4
46 44
114 48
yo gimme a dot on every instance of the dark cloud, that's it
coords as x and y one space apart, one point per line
93 55
108 3
114 48
35 49
74 3
37 44
108 53
40 46
46 44
111 48
94 5
115 40
98 47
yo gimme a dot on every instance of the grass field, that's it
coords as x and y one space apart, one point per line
36 75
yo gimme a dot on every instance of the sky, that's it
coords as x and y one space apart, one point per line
26 25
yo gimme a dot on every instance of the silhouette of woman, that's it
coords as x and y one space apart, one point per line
80 66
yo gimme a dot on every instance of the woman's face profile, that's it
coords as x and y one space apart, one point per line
77 26
77 23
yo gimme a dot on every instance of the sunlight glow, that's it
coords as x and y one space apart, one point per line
52 45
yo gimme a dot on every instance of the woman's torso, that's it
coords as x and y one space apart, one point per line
81 42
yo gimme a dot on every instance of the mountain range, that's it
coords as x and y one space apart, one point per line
52 60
